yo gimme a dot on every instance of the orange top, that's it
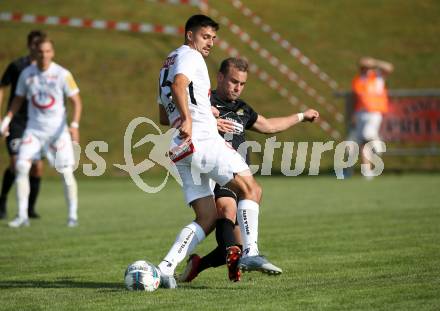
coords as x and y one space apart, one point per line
371 93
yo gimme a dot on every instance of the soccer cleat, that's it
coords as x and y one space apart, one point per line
19 222
167 281
233 255
258 263
191 269
71 223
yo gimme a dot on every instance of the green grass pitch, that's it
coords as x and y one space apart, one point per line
343 245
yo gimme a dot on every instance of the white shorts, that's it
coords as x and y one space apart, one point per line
57 148
367 126
212 159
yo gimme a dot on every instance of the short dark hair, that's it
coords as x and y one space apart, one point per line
44 39
239 63
198 21
35 34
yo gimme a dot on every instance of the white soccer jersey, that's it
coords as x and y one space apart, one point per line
45 92
189 62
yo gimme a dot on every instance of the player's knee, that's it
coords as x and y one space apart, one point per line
68 177
208 218
37 169
22 167
226 208
251 190
207 222
228 212
13 163
256 192
206 213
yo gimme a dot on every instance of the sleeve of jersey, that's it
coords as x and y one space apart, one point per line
187 64
21 88
70 86
7 76
253 116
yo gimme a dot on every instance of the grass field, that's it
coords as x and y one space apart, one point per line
343 245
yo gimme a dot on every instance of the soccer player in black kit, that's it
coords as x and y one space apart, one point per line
234 116
17 127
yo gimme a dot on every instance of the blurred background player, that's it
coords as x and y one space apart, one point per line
17 127
44 85
370 103
199 152
234 117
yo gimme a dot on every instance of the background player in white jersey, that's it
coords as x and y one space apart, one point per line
200 153
17 127
45 84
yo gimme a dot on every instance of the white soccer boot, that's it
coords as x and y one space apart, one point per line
258 263
71 223
19 222
167 281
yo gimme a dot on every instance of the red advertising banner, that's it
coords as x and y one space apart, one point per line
412 119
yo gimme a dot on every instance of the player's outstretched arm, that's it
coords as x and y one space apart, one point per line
275 125
76 116
15 106
180 98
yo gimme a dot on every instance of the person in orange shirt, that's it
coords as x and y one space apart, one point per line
371 102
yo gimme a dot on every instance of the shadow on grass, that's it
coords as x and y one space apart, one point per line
60 283
100 286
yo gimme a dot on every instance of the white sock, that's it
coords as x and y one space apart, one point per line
247 215
185 243
23 187
70 193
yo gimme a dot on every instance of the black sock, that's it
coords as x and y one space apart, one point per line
8 181
214 259
224 233
33 194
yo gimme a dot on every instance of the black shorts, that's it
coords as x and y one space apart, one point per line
224 192
13 141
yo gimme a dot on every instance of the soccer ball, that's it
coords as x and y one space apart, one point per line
142 275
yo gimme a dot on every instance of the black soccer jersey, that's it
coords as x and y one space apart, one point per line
238 112
10 77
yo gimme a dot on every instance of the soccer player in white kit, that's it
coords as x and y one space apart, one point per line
45 84
200 153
